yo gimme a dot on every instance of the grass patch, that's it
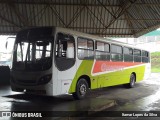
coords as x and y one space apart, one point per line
155 70
155 62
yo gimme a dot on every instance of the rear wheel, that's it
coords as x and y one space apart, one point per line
131 84
81 89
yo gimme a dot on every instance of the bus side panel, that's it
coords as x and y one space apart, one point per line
113 73
107 78
120 76
84 69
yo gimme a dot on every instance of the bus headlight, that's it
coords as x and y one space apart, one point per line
45 79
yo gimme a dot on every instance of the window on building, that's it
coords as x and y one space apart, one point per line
151 38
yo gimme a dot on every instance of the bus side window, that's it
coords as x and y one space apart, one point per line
145 56
116 53
137 55
85 48
64 51
65 46
102 51
128 54
70 50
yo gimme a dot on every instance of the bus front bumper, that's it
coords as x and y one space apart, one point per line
46 89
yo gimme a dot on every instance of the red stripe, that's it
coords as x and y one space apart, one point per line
101 66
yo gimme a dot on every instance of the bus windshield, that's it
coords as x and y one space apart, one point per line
34 54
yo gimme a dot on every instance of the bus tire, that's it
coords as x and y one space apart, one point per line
81 89
131 84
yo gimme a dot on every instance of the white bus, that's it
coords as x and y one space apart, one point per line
55 61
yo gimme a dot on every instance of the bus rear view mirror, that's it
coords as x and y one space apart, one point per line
9 43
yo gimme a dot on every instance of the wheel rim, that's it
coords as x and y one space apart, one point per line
132 80
82 89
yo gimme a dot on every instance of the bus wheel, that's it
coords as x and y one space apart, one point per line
132 81
81 89
131 84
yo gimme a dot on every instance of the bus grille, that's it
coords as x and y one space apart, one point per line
26 82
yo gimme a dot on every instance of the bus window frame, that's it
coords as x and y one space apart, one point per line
130 55
79 37
128 48
73 44
148 56
138 50
116 45
147 53
55 57
137 55
116 53
101 50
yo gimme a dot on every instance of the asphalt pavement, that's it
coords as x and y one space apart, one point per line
145 96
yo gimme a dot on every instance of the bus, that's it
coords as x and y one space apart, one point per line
54 61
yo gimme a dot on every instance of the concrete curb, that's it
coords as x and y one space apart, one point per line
101 108
97 105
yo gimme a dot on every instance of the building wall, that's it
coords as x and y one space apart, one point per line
150 43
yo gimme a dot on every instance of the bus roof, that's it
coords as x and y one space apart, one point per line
81 34
93 37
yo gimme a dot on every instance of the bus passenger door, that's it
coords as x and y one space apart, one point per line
65 61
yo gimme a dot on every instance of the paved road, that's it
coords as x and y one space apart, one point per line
144 97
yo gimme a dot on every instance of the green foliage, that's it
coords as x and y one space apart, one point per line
155 62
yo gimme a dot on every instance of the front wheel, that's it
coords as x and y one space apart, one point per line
81 89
